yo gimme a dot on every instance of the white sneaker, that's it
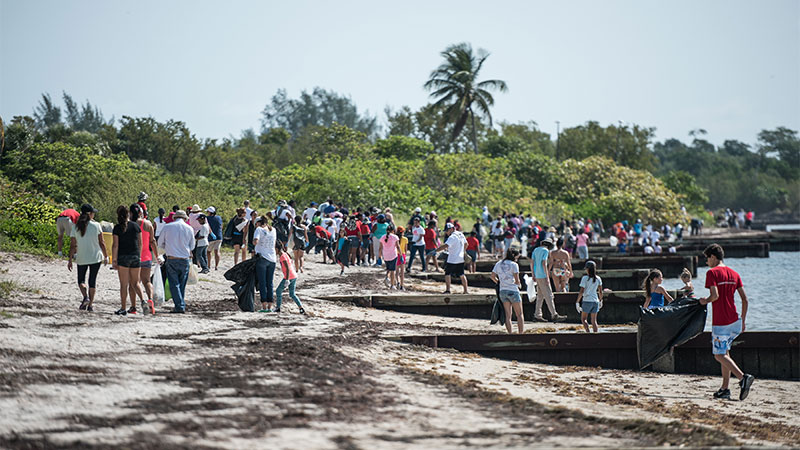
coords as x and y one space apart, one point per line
386 282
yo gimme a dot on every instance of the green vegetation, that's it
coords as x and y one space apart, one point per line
319 146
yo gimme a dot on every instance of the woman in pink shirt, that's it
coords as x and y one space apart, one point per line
582 240
389 249
289 274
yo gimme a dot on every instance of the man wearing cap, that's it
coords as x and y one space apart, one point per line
456 245
417 215
177 239
541 276
215 240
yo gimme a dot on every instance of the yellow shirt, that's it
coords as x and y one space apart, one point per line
403 245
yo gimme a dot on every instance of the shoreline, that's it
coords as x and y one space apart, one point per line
220 378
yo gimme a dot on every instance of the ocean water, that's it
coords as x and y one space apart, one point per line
772 286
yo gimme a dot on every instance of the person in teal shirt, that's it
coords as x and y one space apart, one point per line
378 231
542 278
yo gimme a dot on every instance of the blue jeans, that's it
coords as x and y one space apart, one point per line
201 254
279 292
177 274
421 250
265 271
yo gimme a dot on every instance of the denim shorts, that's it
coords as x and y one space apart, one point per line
510 297
590 307
146 264
722 337
430 252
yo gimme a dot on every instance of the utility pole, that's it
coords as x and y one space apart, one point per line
558 134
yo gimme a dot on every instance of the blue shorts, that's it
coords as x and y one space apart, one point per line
430 252
510 297
722 337
590 307
473 254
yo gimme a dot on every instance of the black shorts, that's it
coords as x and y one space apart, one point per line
454 270
391 265
131 261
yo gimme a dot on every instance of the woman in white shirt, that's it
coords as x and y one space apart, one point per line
264 239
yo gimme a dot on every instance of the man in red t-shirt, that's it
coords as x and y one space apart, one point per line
64 223
722 282
324 243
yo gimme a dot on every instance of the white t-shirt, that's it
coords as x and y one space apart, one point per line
159 225
203 231
418 237
590 288
655 236
266 243
456 244
648 250
247 211
331 228
338 222
497 228
505 271
309 213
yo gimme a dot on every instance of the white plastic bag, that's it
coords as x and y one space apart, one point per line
524 244
192 275
531 288
158 286
612 240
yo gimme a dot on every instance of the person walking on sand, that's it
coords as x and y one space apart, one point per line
473 250
417 244
342 251
389 250
541 275
202 235
722 282
149 252
239 231
430 244
88 248
560 263
215 240
265 239
456 245
401 259
289 276
592 295
299 242
506 274
177 240
64 224
126 253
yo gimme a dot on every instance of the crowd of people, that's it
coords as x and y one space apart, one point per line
185 240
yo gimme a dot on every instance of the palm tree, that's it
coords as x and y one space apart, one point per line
455 84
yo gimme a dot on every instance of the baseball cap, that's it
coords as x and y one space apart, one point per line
87 208
211 209
448 225
417 209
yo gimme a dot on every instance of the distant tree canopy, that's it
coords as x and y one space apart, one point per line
319 108
78 117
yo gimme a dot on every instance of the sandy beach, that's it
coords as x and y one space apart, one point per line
335 378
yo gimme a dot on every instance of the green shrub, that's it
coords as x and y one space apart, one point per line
20 235
15 202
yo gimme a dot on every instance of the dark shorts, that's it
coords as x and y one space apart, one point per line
473 254
131 261
365 241
146 264
391 265
454 270
237 239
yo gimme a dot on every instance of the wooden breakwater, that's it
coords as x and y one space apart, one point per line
614 279
765 354
671 265
621 307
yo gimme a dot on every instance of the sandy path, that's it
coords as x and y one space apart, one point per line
219 378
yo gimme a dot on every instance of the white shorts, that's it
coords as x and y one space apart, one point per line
722 337
214 245
64 225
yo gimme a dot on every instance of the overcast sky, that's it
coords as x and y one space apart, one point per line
730 67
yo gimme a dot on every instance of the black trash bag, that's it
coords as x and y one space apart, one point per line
498 312
661 329
244 277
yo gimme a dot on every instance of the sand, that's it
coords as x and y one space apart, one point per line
220 378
